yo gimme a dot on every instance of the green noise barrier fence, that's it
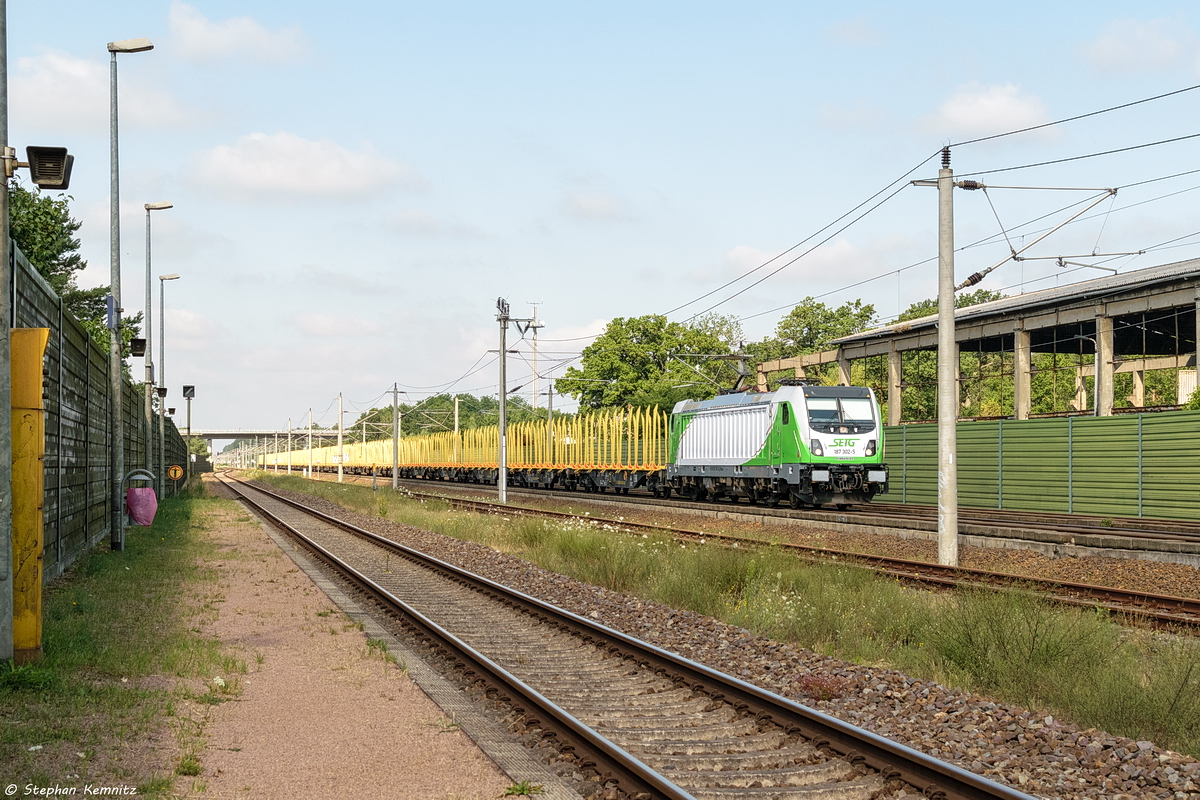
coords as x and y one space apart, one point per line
76 391
1132 465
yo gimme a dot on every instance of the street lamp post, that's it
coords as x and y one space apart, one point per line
162 379
1095 374
188 393
117 530
149 348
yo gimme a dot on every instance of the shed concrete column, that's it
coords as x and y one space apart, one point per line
1081 395
1104 365
843 365
895 392
1022 375
1138 398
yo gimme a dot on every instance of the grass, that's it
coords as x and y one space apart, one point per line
1077 664
117 631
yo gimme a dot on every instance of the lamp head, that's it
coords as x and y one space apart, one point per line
157 206
50 167
130 46
172 277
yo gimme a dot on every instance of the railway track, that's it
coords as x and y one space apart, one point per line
897 515
657 724
1149 608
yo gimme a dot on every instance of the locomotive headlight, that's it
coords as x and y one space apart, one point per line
815 447
870 447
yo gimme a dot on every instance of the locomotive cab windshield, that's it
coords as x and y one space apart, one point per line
836 409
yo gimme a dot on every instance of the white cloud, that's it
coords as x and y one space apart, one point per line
414 222
855 31
1137 46
285 164
837 261
850 116
199 39
57 91
592 205
186 330
566 332
980 110
336 325
744 258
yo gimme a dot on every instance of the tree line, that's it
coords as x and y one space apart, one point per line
44 230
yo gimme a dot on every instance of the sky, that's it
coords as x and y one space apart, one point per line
354 185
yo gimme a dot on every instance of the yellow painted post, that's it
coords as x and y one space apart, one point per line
28 454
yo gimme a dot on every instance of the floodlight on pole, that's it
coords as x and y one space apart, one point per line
148 345
116 405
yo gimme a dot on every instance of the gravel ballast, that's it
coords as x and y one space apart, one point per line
1028 750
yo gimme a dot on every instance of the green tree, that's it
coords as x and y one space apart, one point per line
648 361
812 325
1194 403
44 230
925 308
986 388
436 413
809 328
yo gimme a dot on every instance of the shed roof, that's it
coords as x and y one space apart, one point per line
1018 305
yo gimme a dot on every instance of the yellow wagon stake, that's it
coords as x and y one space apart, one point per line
615 440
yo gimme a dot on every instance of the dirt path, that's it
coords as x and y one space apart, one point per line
319 712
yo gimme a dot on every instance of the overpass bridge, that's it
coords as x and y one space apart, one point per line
254 433
261 441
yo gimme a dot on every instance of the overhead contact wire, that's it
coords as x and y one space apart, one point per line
1076 117
801 243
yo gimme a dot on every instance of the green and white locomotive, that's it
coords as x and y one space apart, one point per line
802 445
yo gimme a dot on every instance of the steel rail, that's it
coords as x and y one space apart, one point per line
1175 530
1155 608
891 759
1165 529
632 773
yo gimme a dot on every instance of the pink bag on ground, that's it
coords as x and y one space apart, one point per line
142 504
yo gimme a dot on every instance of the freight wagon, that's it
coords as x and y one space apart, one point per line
801 445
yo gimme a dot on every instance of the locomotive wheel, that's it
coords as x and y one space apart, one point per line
842 506
794 501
